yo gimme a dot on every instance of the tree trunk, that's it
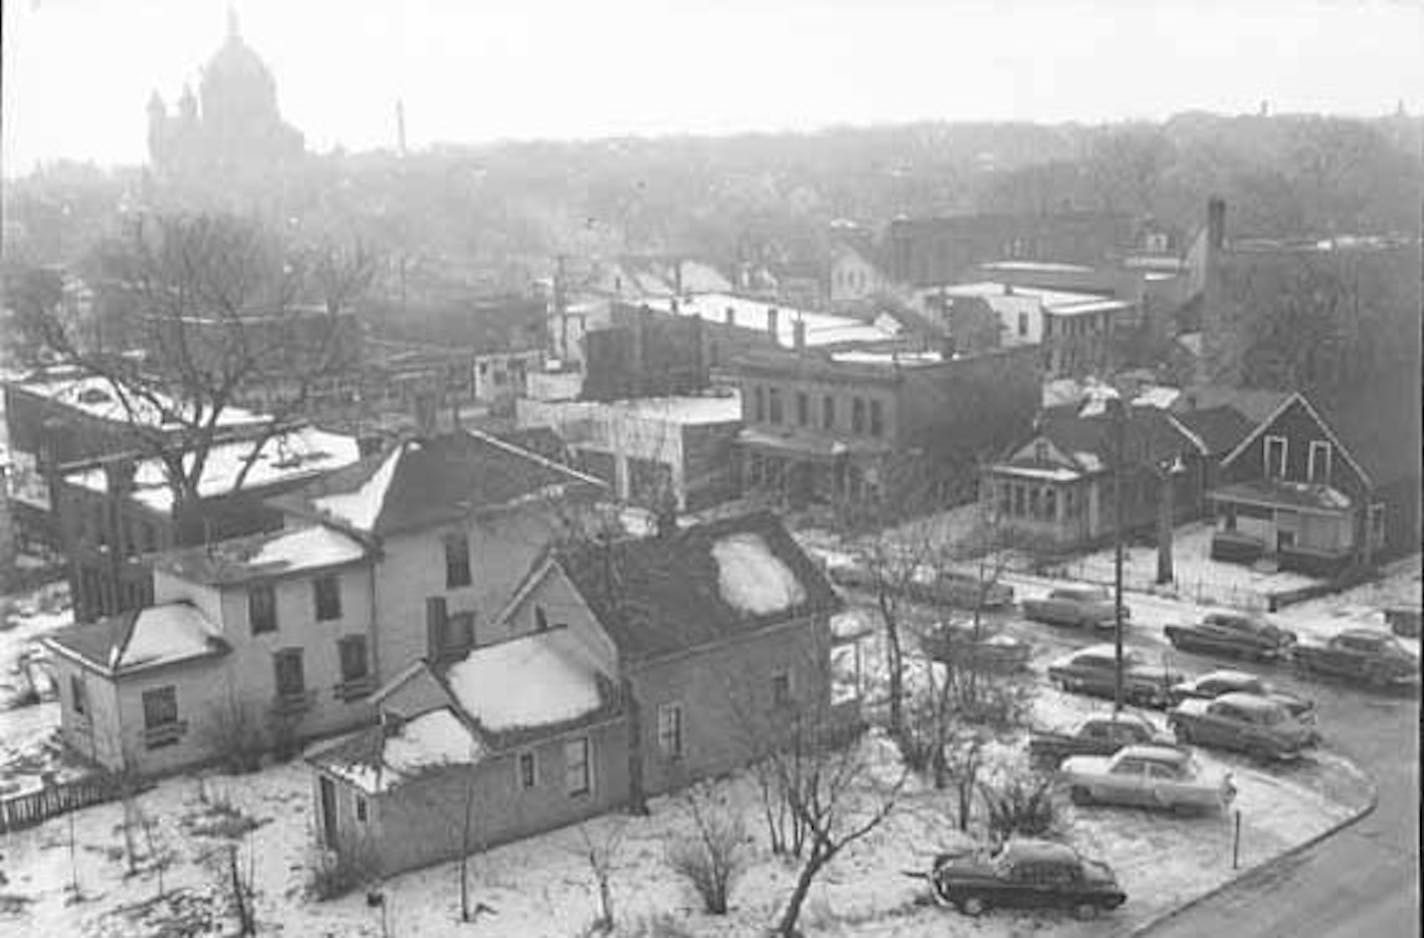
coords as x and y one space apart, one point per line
786 928
896 663
637 795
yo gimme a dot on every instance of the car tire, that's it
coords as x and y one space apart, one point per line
1086 911
1079 794
1258 752
973 906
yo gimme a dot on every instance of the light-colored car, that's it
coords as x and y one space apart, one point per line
1148 777
1093 670
1080 606
1257 726
1213 684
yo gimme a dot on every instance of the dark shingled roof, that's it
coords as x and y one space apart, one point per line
1221 428
1149 433
96 641
666 596
443 478
1380 425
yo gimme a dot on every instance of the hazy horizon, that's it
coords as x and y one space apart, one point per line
558 70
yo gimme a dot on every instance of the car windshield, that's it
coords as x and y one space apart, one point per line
1269 715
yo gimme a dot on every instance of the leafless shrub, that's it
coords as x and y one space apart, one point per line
713 857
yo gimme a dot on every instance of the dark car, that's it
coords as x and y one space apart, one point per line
1261 728
1079 606
1100 736
1375 658
1027 874
1093 670
991 650
957 588
1213 684
1235 634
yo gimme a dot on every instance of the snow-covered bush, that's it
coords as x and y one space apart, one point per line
1018 806
713 857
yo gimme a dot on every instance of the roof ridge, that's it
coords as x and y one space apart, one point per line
533 457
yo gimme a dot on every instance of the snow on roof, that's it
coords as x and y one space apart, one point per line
360 508
752 578
296 454
865 357
163 634
535 680
1044 266
1157 395
1060 302
821 328
431 739
97 397
305 548
1052 474
689 409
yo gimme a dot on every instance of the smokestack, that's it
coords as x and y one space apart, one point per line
1216 223
772 316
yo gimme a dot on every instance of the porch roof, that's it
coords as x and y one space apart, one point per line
1280 493
797 444
1040 473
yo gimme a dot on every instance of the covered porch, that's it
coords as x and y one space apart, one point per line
810 470
1305 527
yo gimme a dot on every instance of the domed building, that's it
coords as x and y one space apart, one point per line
231 128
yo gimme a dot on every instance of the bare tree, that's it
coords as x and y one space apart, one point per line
601 851
713 858
203 313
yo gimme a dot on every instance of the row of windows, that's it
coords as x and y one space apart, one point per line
1038 502
864 416
1317 466
578 768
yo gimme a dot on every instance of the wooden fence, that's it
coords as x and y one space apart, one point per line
20 811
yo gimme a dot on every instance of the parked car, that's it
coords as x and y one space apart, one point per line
1027 874
850 571
1360 654
1213 684
1080 606
1093 670
1261 728
992 650
957 588
1233 633
1100 736
1148 777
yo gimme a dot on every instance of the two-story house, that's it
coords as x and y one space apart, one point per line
617 669
409 555
1321 486
248 643
857 426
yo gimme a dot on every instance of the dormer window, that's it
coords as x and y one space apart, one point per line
1040 451
1320 456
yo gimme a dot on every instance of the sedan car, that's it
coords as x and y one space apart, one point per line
1080 606
1093 670
1027 874
1261 728
1150 777
1235 634
1213 684
1098 736
990 650
957 588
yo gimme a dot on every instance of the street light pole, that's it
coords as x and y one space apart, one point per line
1119 412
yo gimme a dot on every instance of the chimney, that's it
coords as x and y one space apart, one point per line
731 315
798 332
1216 223
772 316
673 305
1008 289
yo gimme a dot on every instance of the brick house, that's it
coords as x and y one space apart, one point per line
639 665
1321 486
854 426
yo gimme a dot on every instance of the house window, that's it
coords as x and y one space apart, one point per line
1377 524
262 608
857 415
352 651
78 695
1319 461
578 778
527 769
361 812
670 730
1023 324
877 418
327 590
828 413
160 709
759 397
457 560
458 633
781 689
803 408
291 679
541 619
1040 451
775 405
1275 457
1050 504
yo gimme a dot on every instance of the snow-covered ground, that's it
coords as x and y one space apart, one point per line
1360 607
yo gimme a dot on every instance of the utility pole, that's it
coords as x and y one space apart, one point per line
1119 412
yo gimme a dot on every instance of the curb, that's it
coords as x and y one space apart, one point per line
1264 865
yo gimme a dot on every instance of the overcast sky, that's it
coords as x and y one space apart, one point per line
78 73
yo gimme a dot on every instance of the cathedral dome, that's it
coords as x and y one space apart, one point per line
236 83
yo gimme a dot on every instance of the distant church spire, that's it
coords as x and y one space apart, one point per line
232 31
